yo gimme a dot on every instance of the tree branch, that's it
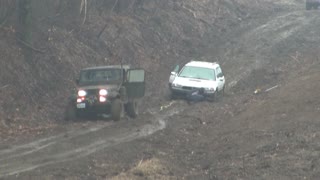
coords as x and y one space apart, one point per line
105 26
30 46
84 6
5 86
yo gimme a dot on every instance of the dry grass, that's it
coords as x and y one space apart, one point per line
148 169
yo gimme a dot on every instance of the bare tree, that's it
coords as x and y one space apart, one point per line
7 8
83 8
25 26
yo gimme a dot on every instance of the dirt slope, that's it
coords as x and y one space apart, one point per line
154 35
269 135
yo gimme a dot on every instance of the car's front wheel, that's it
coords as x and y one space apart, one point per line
212 97
173 95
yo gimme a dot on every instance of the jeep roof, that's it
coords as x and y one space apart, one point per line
204 64
314 1
108 67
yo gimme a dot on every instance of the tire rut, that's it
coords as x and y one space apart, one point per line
78 144
262 44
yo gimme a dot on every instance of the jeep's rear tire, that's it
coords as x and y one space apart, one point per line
116 109
132 108
70 113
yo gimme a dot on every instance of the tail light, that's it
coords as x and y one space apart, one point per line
82 93
103 93
80 99
102 99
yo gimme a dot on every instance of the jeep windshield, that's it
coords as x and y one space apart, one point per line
100 76
198 73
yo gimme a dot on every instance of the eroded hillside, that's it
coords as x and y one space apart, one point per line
153 34
265 127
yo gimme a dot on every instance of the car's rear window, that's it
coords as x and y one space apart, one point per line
198 73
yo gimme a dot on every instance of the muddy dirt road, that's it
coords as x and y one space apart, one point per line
271 135
75 143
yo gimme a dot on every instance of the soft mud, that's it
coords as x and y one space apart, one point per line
72 145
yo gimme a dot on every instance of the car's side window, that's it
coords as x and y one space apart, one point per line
219 72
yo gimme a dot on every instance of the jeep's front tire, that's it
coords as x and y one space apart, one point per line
116 108
132 108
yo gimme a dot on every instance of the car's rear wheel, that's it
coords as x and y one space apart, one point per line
116 109
217 95
223 90
132 108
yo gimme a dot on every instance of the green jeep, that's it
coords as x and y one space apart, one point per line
110 90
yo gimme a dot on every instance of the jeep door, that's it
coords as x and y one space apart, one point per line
135 83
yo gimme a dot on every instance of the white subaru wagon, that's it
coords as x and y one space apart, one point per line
195 75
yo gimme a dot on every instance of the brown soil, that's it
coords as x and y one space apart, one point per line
266 47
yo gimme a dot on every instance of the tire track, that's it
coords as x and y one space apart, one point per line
35 146
255 48
77 145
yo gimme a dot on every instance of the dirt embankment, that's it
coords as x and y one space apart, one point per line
271 134
153 34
